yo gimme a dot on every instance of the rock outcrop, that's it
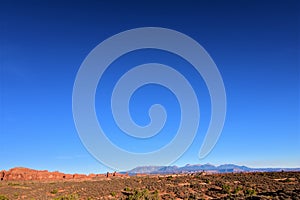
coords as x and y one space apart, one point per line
24 174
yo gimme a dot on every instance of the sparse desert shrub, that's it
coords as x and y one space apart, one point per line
68 197
250 192
192 196
155 195
226 188
143 195
54 191
2 197
207 181
194 185
127 189
287 180
237 189
113 194
198 175
13 184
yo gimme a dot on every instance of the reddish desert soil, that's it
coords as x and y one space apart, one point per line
271 185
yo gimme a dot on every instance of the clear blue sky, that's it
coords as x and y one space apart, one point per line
255 45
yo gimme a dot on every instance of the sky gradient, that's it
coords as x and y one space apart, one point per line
255 45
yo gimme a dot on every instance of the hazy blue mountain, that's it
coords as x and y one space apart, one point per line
199 168
145 169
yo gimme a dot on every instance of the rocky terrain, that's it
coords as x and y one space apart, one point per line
254 185
25 174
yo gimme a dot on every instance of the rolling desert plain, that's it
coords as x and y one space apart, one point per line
24 183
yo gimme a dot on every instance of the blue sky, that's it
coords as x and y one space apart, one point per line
255 45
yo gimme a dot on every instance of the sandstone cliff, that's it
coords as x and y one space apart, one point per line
21 173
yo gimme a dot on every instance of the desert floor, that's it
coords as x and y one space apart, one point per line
268 185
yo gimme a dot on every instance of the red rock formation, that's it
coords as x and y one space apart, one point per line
24 174
30 174
116 174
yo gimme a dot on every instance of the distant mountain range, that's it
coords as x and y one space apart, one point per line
205 167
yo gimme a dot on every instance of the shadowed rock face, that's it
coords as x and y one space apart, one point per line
24 174
2 173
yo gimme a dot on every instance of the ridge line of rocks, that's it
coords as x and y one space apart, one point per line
24 174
